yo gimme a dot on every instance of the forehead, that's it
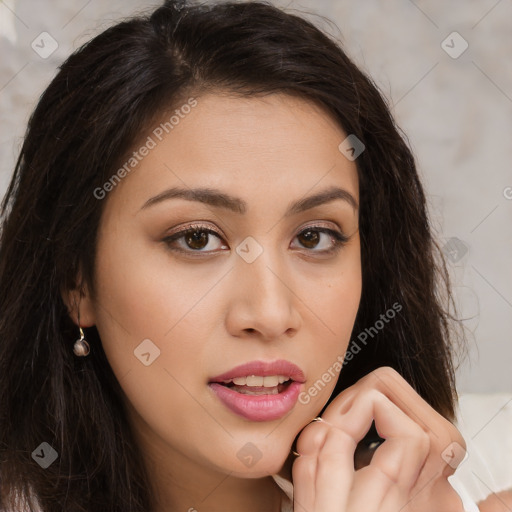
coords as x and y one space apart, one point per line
277 145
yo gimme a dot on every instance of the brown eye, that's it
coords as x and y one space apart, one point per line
321 239
309 238
195 239
202 239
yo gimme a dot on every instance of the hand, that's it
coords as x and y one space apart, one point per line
497 502
407 472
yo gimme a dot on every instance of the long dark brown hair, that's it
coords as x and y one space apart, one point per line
104 97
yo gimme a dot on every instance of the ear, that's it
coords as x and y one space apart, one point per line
77 300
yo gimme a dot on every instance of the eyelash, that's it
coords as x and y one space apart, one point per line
339 239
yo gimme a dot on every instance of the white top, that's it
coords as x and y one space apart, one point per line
485 422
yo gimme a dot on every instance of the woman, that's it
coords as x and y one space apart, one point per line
217 203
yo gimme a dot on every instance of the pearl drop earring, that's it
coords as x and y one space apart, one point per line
81 348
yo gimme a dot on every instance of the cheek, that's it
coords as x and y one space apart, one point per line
333 296
147 320
143 293
334 302
153 320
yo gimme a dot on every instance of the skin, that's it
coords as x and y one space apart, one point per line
497 502
408 472
210 313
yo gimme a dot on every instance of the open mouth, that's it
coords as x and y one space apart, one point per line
256 385
259 390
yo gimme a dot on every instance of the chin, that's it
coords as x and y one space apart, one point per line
253 462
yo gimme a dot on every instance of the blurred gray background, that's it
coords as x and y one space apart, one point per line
446 70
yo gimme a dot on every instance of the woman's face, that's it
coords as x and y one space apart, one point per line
262 280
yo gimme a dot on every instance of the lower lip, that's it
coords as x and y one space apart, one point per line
258 407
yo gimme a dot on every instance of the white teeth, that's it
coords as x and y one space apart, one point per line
269 381
254 380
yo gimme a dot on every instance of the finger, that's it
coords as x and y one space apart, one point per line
447 447
386 483
335 471
375 492
304 475
406 447
390 383
309 444
323 473
439 495
311 438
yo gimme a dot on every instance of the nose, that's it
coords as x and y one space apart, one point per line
263 302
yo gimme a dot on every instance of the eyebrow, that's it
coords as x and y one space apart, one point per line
219 199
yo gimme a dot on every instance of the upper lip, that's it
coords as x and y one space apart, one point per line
263 369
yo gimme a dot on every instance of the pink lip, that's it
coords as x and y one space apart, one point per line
263 369
260 407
